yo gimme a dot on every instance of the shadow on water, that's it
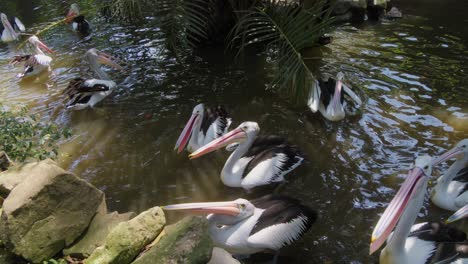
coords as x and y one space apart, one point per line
413 72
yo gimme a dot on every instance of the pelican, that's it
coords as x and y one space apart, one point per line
87 93
327 97
7 29
256 160
79 23
34 64
245 227
427 242
203 127
450 192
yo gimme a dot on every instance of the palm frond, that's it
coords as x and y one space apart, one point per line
285 29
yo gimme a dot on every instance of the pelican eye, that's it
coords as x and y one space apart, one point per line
426 167
242 206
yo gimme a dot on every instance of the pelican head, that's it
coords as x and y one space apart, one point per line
197 116
95 57
414 183
38 44
460 151
245 131
72 13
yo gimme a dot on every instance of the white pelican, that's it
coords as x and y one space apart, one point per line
327 97
451 191
34 64
245 227
421 243
255 161
87 93
79 23
203 126
7 30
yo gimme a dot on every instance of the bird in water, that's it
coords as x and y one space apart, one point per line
451 190
328 97
87 93
78 21
9 29
245 227
36 63
429 242
205 125
255 161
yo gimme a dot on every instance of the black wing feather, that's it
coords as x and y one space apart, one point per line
210 116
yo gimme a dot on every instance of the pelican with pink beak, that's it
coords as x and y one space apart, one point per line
429 242
34 64
7 30
245 227
255 161
87 93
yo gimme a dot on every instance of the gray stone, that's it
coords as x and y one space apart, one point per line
128 238
47 211
97 232
221 256
394 13
186 241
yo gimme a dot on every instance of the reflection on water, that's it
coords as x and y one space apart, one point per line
413 72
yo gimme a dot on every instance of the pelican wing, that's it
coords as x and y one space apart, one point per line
215 123
42 59
314 97
19 25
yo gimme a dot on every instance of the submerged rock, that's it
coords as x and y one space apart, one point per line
47 211
128 238
97 232
221 256
186 241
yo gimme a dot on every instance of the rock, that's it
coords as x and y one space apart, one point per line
221 256
394 13
5 161
97 232
128 238
47 211
186 241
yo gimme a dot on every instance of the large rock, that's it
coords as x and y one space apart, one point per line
128 238
97 232
186 241
17 174
47 211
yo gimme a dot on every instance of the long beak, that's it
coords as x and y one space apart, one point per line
8 26
235 135
454 152
70 15
336 100
353 95
395 209
460 214
185 135
44 46
109 60
225 208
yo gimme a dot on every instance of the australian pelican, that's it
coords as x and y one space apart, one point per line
87 93
205 125
451 190
7 28
78 21
256 160
34 64
328 98
245 227
428 242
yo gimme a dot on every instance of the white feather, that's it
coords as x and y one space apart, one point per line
19 24
43 59
314 97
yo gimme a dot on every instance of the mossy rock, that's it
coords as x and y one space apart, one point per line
186 241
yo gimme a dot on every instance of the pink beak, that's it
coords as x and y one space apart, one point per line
225 208
454 152
109 60
44 46
185 135
70 15
235 135
395 209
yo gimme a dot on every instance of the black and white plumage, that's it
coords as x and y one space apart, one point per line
34 64
420 243
205 125
246 227
9 29
87 93
255 161
451 190
78 21
327 97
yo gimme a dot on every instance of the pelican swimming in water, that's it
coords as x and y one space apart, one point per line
205 125
451 191
245 227
256 160
8 29
87 93
328 98
422 243
34 64
78 21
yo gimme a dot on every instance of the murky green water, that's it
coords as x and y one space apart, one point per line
413 72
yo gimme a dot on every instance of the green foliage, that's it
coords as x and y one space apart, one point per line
284 29
22 136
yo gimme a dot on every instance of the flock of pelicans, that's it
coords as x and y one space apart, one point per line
271 222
